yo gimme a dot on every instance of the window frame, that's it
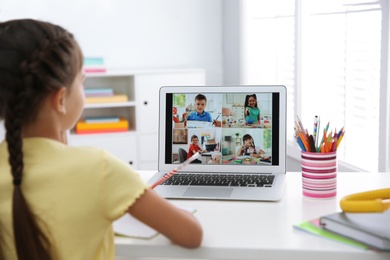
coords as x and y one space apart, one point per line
384 110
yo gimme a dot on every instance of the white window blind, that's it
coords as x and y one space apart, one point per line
268 47
327 53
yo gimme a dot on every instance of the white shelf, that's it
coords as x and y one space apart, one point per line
139 145
113 104
78 137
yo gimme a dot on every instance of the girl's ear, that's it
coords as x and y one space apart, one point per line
58 100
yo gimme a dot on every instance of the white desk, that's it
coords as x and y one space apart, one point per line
262 230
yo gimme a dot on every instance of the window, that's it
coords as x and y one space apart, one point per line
328 54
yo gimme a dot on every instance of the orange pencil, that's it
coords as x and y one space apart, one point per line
304 141
324 140
328 146
322 148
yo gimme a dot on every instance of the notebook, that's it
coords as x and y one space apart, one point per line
370 228
229 168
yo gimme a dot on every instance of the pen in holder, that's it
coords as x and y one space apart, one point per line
171 173
318 160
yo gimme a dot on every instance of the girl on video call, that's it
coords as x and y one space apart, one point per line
248 148
59 201
252 112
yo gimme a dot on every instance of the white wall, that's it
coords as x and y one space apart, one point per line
149 34
137 34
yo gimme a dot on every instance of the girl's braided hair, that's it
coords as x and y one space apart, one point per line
36 58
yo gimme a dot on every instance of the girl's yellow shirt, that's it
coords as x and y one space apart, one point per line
75 192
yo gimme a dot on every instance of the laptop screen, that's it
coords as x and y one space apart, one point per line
234 128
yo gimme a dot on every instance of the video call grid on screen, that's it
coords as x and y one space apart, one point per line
223 137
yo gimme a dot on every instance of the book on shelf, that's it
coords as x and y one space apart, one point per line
372 229
98 92
94 70
106 99
99 95
101 119
100 131
93 61
94 65
84 127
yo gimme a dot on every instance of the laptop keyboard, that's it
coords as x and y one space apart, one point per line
233 180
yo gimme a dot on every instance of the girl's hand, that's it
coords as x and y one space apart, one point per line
181 227
247 111
240 151
265 157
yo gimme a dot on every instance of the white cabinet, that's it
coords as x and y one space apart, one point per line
147 94
148 151
147 109
138 146
122 145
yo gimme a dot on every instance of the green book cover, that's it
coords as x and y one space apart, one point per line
314 227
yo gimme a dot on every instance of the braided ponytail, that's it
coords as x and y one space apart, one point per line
30 242
36 59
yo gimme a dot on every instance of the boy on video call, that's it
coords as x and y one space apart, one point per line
194 148
200 114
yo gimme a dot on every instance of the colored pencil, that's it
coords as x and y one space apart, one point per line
173 172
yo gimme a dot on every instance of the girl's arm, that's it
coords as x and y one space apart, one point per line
180 226
258 153
263 155
246 112
240 150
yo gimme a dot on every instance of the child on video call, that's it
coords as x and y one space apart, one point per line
249 148
194 148
252 112
200 114
59 201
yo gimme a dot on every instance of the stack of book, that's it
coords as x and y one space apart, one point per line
103 95
364 230
91 125
94 65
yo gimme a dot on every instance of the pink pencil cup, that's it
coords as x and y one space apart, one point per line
319 175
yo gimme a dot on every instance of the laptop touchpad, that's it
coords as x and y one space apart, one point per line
208 192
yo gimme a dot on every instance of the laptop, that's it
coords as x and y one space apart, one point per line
243 146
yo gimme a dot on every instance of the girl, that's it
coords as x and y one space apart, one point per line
249 148
57 201
252 112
